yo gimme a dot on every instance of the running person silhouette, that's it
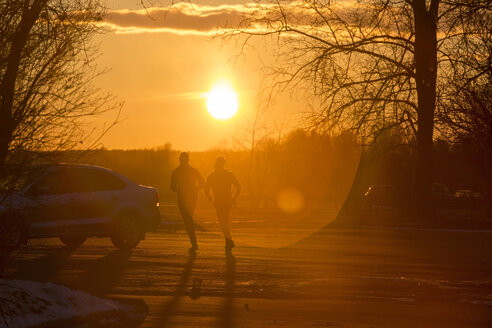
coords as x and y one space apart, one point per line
220 182
185 182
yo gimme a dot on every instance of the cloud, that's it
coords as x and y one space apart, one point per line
186 18
180 96
181 18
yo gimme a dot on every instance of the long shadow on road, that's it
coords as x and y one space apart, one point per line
98 277
44 268
105 273
227 320
169 307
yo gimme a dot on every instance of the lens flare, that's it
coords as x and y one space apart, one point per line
290 200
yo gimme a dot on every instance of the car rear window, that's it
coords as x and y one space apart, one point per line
86 180
74 180
17 180
55 182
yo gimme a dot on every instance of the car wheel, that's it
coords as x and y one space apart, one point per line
73 240
11 233
127 232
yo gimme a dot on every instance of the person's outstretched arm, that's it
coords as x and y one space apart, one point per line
199 180
206 189
237 187
173 182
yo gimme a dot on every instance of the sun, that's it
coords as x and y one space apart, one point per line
222 102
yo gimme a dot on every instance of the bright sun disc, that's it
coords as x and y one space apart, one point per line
222 101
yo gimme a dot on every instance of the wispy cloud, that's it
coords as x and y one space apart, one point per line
185 18
180 96
186 96
181 18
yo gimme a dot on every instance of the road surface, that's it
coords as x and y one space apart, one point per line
339 277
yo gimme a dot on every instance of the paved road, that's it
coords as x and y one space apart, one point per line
339 277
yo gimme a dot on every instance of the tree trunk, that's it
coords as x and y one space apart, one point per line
7 86
425 69
5 140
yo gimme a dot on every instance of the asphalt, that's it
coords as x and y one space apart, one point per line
340 276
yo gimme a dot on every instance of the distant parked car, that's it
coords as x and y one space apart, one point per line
74 202
469 198
441 195
381 197
439 189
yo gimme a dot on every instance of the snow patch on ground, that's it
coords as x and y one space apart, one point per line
28 303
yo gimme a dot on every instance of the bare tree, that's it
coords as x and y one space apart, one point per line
260 133
46 69
465 96
373 64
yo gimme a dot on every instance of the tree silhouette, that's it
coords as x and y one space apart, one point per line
465 96
46 69
372 64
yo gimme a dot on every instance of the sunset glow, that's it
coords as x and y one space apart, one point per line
222 101
253 164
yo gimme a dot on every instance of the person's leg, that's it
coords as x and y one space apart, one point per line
186 210
223 212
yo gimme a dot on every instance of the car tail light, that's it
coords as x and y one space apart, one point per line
157 198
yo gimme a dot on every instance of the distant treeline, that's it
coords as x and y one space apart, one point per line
390 161
320 167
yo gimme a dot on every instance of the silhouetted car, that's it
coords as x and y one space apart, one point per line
469 198
439 189
74 202
441 195
381 197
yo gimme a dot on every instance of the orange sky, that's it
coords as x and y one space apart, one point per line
161 67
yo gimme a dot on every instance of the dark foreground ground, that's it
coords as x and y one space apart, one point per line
352 276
